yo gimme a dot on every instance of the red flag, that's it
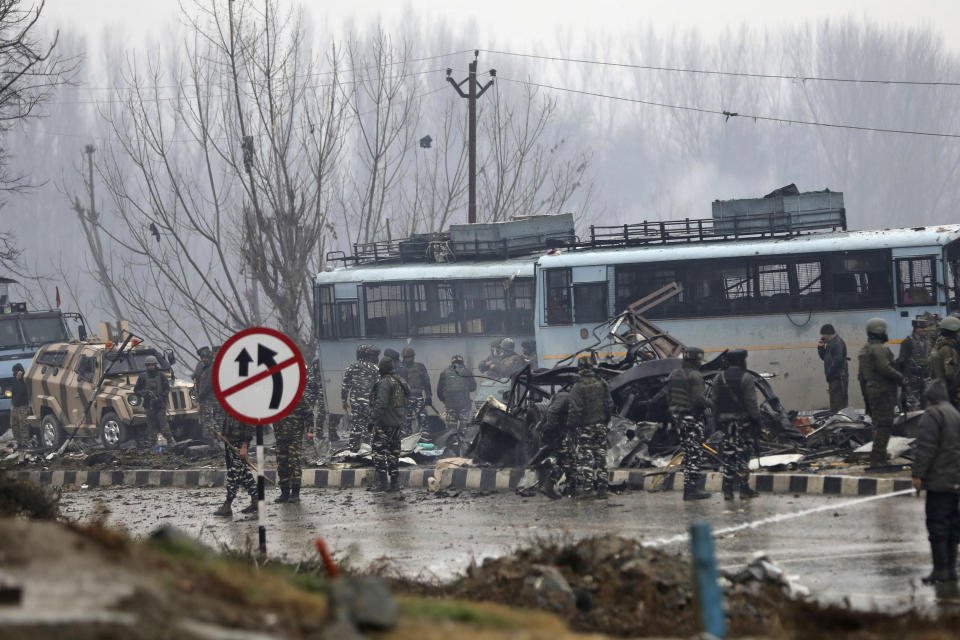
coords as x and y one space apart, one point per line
58 297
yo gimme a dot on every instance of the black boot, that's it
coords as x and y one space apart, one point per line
394 484
284 493
745 490
878 453
252 507
728 487
691 489
224 509
379 483
952 558
939 549
294 494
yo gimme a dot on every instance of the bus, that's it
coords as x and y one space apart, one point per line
768 294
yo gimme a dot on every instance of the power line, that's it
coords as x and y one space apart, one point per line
733 114
743 74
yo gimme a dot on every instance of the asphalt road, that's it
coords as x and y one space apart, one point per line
872 554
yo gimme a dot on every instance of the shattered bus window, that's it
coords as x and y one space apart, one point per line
916 281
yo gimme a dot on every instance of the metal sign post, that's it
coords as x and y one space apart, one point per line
258 378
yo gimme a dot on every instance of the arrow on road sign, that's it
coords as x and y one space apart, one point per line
265 356
244 359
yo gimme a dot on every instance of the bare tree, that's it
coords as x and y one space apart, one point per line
229 193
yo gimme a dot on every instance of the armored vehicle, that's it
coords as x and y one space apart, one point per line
87 386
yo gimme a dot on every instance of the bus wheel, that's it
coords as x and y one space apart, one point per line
112 431
51 433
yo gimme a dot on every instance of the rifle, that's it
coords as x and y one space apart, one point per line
237 451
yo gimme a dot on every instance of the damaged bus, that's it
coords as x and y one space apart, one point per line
766 288
441 294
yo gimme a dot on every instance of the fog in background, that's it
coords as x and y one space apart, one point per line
608 161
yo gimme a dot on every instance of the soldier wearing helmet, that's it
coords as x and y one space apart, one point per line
944 360
591 408
734 399
358 381
879 381
688 404
390 394
420 395
491 361
912 363
154 390
512 362
210 413
454 389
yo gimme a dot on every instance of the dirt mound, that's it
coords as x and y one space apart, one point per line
619 587
18 498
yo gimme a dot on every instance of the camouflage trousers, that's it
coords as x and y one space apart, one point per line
416 407
145 434
882 408
691 441
913 392
458 419
239 475
211 415
735 453
386 450
361 424
592 457
289 434
18 424
565 454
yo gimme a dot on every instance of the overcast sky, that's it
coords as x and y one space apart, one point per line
515 21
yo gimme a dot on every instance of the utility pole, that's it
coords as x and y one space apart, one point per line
471 95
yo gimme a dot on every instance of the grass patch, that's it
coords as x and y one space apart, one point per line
454 611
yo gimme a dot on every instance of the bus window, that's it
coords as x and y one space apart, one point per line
809 284
590 302
484 306
557 292
9 334
433 309
521 306
348 320
953 284
916 282
325 307
385 310
861 279
773 286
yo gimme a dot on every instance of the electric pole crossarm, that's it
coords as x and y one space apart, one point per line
456 86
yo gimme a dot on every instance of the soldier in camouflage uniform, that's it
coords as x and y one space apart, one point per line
289 433
491 361
389 400
590 409
358 381
420 394
688 405
944 359
211 414
734 399
316 405
154 388
239 475
511 362
556 433
912 363
454 389
19 407
879 381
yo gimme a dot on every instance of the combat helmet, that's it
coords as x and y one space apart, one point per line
950 325
408 352
877 327
692 353
151 360
737 357
508 345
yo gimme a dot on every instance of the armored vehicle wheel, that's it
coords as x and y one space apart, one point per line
51 433
112 431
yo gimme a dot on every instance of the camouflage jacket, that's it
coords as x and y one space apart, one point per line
558 414
686 391
734 396
154 389
944 363
237 432
203 374
358 382
454 389
912 359
877 373
389 401
590 401
510 365
313 391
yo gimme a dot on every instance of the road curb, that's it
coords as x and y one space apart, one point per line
470 478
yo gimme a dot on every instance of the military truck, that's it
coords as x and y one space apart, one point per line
63 380
22 332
